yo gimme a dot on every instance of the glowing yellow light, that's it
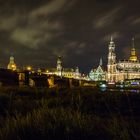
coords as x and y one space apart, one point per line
13 66
133 56
29 68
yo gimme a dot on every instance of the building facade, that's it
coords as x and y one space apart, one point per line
122 70
98 74
64 72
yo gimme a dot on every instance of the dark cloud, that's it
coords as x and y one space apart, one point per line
37 31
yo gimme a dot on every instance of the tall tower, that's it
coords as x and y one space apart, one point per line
111 66
12 65
133 56
59 66
77 73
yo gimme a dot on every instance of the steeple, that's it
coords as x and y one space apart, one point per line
111 38
133 42
101 62
133 56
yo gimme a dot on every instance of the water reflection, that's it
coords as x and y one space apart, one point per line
103 89
125 90
135 91
122 90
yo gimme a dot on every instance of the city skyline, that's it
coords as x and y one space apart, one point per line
36 32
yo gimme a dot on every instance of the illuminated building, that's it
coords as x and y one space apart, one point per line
98 74
12 65
63 72
111 66
121 70
59 66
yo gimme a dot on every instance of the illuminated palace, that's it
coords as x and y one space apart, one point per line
63 72
126 69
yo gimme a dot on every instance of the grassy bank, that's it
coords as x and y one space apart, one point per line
80 113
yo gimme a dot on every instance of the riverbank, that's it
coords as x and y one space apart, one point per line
78 113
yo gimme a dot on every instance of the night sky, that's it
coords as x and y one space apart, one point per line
37 31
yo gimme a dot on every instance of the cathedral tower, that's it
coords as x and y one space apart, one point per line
111 66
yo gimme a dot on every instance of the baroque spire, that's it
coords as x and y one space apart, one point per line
133 56
133 42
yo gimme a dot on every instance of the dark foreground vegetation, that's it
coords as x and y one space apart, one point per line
71 114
